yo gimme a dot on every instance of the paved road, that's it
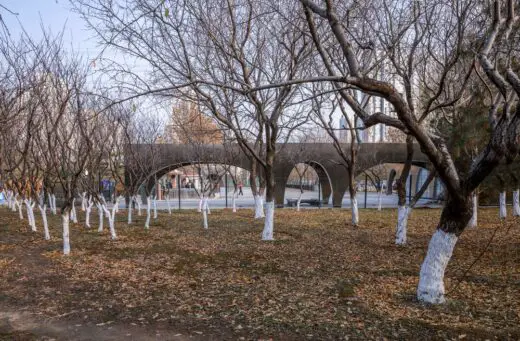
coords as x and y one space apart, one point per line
247 201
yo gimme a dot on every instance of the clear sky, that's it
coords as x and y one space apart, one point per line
55 15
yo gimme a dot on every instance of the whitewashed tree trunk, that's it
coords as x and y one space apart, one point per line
206 205
30 214
431 277
138 205
54 209
130 209
473 222
299 201
101 210
205 212
43 211
259 209
19 205
111 219
148 212
355 211
83 201
379 199
267 234
88 209
66 242
201 200
402 224
502 201
155 207
233 201
516 203
73 216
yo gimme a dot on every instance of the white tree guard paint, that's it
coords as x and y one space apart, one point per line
206 206
205 213
88 209
403 212
431 277
138 205
54 209
233 202
111 220
154 207
130 209
299 201
101 209
516 203
19 204
199 209
355 211
74 216
66 242
83 201
379 199
30 214
473 222
259 209
267 234
502 201
43 212
148 212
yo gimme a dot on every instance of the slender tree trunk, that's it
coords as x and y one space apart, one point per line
43 211
148 212
101 209
379 198
19 204
473 222
88 209
54 208
65 223
516 203
111 220
201 201
155 207
502 202
73 215
233 201
268 231
205 212
402 210
130 208
83 201
454 218
30 214
299 200
167 197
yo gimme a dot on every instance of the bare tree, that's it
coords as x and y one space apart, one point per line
443 73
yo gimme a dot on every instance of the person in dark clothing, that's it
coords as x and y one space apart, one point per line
240 189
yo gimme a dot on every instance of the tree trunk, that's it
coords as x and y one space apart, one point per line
299 201
83 201
148 212
138 205
168 204
100 214
54 209
130 208
205 212
88 209
65 222
201 201
155 207
233 201
111 220
503 208
73 215
454 218
402 224
43 211
354 205
268 231
473 222
20 213
516 203
30 214
259 211
379 199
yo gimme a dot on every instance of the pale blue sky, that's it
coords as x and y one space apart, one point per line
54 15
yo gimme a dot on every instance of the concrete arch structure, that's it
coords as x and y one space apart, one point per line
322 157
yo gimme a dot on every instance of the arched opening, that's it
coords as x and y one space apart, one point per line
311 178
183 184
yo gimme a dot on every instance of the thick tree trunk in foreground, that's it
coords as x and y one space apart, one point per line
454 218
402 224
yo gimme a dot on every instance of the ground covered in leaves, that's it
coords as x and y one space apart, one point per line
320 279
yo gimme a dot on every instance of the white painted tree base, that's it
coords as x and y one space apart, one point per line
259 209
473 222
379 200
43 211
267 234
355 211
148 212
516 203
66 241
431 277
402 225
503 208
